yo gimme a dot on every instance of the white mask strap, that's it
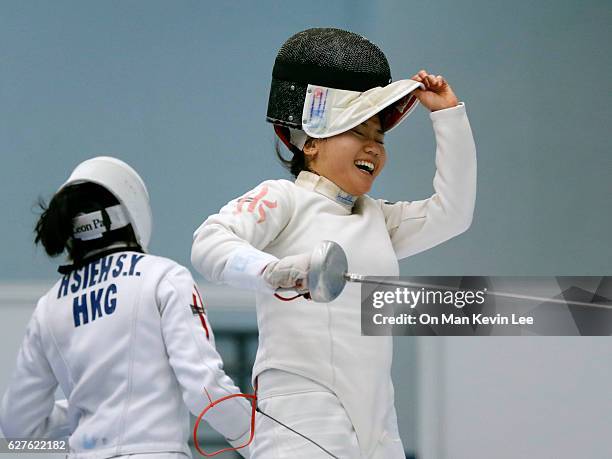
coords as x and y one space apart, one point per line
91 226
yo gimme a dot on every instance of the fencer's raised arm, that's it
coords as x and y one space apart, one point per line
419 225
227 246
28 408
196 363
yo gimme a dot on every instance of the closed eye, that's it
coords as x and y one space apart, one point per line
379 141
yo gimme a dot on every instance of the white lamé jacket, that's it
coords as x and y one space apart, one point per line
127 339
323 342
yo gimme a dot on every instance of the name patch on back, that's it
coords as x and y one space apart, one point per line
91 303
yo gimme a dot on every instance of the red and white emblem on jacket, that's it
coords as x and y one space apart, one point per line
256 201
197 308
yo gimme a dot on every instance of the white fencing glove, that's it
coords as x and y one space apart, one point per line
289 272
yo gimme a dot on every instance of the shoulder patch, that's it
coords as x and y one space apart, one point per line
198 309
255 201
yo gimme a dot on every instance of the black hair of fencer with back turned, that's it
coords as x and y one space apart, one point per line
54 227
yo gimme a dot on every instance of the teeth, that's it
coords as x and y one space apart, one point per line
367 164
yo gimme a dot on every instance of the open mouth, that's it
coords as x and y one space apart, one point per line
366 166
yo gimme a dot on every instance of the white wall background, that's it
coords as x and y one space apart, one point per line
515 397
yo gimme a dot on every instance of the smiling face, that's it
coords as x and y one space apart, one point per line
353 159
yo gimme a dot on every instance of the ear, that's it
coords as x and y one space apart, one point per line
311 148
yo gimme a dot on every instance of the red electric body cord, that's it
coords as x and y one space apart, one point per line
253 400
251 397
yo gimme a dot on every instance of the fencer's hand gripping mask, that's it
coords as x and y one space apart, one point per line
129 189
326 81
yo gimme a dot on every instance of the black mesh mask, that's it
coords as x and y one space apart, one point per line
333 58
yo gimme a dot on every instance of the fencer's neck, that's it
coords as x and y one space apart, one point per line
326 187
113 247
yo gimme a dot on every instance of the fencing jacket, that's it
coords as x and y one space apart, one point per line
127 339
322 341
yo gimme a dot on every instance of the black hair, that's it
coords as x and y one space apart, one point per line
54 227
296 164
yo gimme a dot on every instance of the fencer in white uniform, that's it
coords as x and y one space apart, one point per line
316 373
124 334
